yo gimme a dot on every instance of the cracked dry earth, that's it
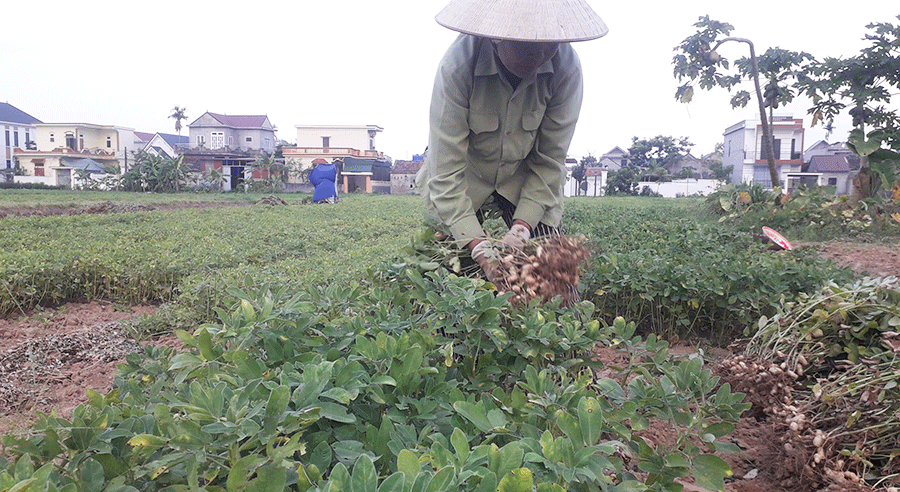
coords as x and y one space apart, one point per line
49 358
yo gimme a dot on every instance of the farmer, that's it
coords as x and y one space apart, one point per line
324 178
503 109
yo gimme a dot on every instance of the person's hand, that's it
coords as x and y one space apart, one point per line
517 235
488 258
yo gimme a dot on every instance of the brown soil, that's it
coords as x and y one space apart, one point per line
49 358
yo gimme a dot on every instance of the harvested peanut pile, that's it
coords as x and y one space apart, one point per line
544 268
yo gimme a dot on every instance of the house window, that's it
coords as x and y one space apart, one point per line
217 140
200 140
16 138
7 138
776 148
832 181
52 138
230 141
108 142
249 139
326 142
70 141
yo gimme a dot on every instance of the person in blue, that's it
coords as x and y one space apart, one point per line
324 178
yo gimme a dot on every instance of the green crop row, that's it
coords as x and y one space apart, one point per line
676 272
156 256
658 262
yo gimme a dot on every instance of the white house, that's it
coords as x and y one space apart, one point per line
18 132
743 150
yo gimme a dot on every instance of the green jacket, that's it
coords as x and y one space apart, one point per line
485 137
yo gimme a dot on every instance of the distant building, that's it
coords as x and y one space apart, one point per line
743 150
403 177
230 144
614 159
365 168
166 145
62 148
18 132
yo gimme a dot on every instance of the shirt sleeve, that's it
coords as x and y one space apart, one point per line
448 142
541 199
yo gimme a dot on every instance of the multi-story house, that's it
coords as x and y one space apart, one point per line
365 168
743 150
62 148
18 132
229 144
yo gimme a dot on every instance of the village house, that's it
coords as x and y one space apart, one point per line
18 131
614 159
61 149
403 177
743 150
364 168
230 144
162 144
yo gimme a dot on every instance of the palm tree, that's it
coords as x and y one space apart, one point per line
178 114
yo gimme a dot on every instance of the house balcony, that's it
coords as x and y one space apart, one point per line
758 158
334 151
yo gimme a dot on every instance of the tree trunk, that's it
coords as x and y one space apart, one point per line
767 137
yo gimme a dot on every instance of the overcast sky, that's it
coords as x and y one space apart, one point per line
305 62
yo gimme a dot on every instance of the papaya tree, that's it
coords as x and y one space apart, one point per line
698 61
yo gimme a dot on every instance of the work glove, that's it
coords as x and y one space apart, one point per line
517 235
488 258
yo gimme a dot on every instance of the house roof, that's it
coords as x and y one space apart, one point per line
144 136
12 114
829 164
406 167
356 165
86 164
240 121
174 140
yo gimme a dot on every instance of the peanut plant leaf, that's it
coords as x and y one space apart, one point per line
518 480
441 480
488 483
460 445
364 478
275 407
710 471
408 464
393 483
590 420
475 413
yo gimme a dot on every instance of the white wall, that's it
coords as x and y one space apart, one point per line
682 187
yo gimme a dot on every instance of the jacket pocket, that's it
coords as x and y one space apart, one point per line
531 121
484 140
483 122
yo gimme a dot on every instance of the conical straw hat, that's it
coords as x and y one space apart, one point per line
524 20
